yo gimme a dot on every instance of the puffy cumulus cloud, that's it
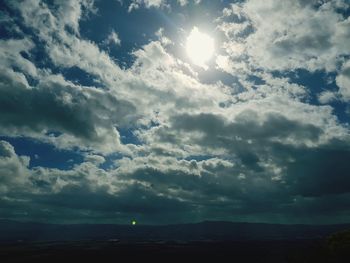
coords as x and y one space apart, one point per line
38 15
158 82
165 189
64 47
85 117
257 112
89 190
182 2
186 2
14 173
226 189
248 125
327 96
57 105
72 12
95 159
17 177
289 35
11 55
50 103
266 137
113 39
343 82
156 79
162 38
135 4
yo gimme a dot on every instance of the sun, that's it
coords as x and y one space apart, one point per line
200 47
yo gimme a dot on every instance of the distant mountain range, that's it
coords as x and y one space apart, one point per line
205 231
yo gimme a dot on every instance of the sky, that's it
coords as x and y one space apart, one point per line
107 115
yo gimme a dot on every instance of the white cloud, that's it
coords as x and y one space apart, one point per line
292 34
327 97
95 159
84 115
10 55
185 2
70 12
113 39
14 172
343 82
135 4
150 89
162 38
182 2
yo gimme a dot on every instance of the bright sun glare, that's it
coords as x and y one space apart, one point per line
200 47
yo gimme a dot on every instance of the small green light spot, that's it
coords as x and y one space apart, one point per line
133 222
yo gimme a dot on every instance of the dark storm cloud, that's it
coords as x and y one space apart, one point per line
248 137
308 171
135 199
44 108
247 126
320 171
154 195
58 106
224 195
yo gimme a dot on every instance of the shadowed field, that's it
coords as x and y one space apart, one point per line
259 251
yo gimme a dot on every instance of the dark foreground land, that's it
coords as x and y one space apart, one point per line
215 242
112 251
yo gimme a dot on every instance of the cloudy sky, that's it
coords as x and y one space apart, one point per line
175 111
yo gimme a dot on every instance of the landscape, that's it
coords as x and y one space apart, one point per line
217 241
